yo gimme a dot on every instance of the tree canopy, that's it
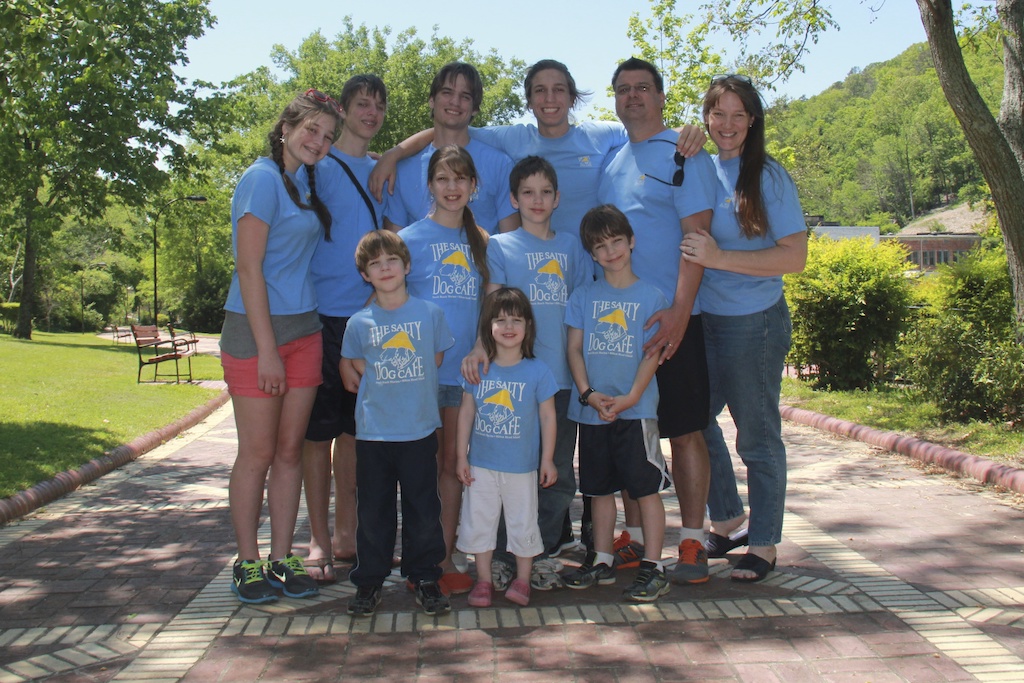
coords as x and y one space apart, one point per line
89 103
775 36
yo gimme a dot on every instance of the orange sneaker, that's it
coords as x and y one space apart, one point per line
693 563
455 583
627 552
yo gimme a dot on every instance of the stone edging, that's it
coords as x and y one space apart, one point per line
24 502
957 461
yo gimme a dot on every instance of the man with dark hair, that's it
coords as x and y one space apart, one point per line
455 97
647 181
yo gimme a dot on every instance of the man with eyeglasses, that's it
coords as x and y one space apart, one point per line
665 196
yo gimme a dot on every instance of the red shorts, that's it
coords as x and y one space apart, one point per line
302 360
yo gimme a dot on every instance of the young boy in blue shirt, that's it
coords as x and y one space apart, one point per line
616 403
395 346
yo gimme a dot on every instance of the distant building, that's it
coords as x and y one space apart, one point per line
847 232
928 250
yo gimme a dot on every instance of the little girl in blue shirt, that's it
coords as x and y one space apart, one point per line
500 424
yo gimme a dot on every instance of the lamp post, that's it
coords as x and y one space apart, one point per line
198 198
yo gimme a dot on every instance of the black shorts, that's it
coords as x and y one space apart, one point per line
334 411
624 454
684 405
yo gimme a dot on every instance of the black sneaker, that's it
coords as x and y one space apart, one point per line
291 577
249 584
566 542
587 574
364 602
649 585
431 599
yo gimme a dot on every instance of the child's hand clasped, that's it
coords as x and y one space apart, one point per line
547 475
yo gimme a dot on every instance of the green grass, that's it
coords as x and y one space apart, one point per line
898 409
68 398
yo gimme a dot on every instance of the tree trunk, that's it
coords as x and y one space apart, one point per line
23 330
998 146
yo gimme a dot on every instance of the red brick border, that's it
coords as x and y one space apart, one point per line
957 461
24 502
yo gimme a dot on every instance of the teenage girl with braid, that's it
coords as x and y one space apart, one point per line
270 344
449 268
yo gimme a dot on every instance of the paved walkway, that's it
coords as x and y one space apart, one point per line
887 572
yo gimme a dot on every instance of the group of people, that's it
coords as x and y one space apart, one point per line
452 318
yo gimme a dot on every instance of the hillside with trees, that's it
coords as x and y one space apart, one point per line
882 147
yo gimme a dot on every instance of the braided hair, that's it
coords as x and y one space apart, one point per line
301 109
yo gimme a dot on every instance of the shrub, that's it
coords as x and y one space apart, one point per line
8 317
849 306
963 353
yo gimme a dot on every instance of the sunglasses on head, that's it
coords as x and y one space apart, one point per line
677 177
738 77
321 97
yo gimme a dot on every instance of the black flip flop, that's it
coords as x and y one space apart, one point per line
718 545
323 564
753 563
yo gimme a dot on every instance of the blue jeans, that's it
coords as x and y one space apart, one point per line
746 356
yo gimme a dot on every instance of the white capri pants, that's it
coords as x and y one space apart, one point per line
482 504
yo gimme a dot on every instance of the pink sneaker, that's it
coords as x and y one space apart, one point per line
480 596
519 593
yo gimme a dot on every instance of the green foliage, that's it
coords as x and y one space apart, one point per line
89 102
963 353
905 410
66 399
686 61
848 305
8 317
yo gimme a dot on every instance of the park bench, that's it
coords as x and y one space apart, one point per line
154 349
117 333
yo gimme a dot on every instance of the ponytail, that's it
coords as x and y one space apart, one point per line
477 238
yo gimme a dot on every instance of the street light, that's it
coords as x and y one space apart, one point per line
198 198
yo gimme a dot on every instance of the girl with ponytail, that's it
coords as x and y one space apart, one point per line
270 344
449 268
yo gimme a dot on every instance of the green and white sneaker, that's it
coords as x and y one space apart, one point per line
649 585
291 577
587 574
249 584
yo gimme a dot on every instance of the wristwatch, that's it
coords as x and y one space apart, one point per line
585 395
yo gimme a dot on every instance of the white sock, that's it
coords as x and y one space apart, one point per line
604 558
695 534
636 534
659 563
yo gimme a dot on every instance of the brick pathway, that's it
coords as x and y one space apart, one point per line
887 573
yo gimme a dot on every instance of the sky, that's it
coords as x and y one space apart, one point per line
590 42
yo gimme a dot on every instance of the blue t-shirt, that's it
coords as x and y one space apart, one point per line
397 398
292 239
506 429
577 156
613 321
726 293
491 204
340 289
548 271
443 271
653 208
